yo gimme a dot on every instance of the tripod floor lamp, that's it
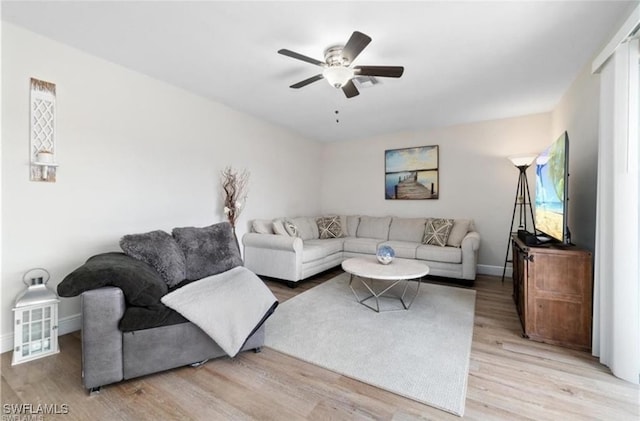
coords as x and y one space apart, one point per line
522 202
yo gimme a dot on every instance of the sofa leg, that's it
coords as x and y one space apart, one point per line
292 284
199 363
257 350
94 391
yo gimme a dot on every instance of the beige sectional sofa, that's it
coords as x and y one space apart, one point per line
300 252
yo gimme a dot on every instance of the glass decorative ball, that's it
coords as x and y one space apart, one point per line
385 254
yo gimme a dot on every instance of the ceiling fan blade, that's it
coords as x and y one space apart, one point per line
307 81
381 71
299 56
350 89
355 45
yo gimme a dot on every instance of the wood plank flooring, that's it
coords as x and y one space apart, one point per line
510 378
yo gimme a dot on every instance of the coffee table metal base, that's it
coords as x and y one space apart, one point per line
382 293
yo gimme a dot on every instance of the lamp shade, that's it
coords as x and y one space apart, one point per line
337 76
522 160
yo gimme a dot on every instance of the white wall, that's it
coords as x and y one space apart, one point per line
577 113
135 155
476 179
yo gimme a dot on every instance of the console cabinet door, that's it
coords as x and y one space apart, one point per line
559 298
552 291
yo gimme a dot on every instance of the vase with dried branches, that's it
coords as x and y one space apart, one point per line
234 187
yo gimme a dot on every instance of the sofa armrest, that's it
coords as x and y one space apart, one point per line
471 241
272 241
102 310
470 245
277 256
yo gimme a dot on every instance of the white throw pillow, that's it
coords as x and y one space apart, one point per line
291 228
278 227
262 226
458 231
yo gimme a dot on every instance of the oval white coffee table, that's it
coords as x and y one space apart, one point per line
370 271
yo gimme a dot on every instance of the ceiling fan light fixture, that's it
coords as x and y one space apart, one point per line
337 76
338 69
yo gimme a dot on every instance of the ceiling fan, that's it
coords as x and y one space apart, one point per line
338 69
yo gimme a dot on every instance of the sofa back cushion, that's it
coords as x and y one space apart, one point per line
352 222
160 250
460 228
209 250
141 285
350 225
307 228
374 227
407 229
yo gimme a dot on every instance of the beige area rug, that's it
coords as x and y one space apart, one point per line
422 353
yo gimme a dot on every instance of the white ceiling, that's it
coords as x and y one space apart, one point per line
463 62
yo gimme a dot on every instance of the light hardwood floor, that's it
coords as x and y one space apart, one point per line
510 378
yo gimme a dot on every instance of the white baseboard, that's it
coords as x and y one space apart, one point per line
65 325
69 324
72 323
493 270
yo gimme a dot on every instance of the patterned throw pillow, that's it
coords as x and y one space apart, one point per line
291 228
329 227
437 231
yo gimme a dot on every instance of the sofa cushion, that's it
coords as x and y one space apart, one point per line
437 231
278 227
329 227
352 225
138 318
160 250
319 249
362 245
141 285
374 227
460 228
307 228
403 249
209 250
439 254
407 229
262 226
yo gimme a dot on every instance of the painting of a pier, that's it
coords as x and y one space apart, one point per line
411 173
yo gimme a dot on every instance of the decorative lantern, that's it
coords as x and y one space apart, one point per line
36 319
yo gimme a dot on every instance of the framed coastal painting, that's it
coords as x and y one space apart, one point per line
411 173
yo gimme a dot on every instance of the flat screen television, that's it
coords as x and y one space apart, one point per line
552 183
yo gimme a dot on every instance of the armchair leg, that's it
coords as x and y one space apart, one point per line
94 391
257 350
292 284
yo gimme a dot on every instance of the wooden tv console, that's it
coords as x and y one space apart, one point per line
552 289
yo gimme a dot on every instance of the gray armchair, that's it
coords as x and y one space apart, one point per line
110 355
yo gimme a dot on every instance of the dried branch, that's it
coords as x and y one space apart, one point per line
234 186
